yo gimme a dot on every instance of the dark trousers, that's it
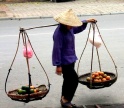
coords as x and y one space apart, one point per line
70 81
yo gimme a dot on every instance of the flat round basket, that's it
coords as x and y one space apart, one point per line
26 97
27 92
98 79
97 85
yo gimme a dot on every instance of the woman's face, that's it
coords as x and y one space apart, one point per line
69 27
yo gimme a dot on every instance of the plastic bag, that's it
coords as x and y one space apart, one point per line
29 50
97 39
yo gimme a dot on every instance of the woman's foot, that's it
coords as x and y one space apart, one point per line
70 105
66 104
64 100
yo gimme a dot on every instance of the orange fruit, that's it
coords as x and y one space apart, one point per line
100 76
101 73
108 78
96 74
96 80
97 77
104 79
93 76
100 80
36 90
32 87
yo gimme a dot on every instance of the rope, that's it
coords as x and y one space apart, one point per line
83 50
108 51
12 62
93 27
37 57
98 59
24 37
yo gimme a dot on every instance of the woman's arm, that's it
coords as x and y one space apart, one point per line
83 26
80 28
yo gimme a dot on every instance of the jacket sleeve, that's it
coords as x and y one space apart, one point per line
56 53
80 28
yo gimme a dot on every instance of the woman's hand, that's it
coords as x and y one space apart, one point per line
58 70
91 20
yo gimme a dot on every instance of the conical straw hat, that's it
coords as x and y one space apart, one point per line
68 18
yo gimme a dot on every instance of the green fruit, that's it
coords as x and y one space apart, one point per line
20 91
31 90
25 88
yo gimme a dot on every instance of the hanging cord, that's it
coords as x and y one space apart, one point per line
93 27
37 58
98 58
13 59
25 44
33 49
107 50
83 50
35 53
23 32
40 65
27 60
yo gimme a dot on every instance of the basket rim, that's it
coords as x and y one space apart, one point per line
27 96
98 85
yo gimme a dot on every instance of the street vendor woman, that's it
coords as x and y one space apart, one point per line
64 56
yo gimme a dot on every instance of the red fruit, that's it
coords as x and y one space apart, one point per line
108 78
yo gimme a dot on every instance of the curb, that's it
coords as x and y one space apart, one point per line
11 18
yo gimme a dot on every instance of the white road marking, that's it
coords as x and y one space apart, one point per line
113 29
3 36
28 35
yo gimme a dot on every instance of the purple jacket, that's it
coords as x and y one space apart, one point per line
64 44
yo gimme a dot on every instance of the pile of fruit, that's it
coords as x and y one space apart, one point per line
27 90
98 76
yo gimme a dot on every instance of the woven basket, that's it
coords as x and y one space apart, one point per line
14 94
94 85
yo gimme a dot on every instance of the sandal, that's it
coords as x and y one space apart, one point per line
69 105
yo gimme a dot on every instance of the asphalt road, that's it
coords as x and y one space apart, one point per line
111 28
